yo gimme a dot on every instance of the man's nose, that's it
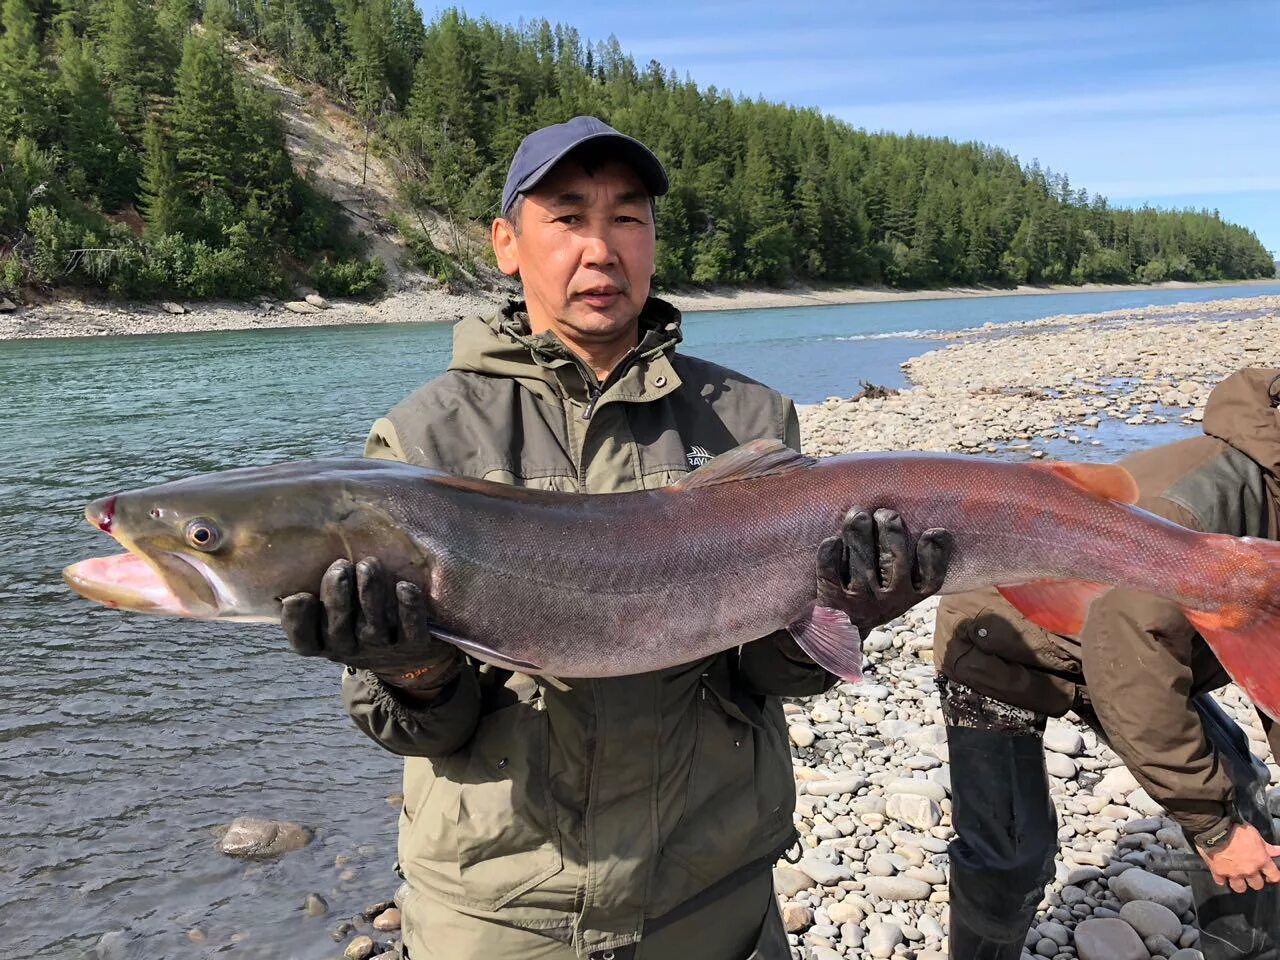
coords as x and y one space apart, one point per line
598 250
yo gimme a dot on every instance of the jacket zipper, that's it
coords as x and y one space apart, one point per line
595 389
594 392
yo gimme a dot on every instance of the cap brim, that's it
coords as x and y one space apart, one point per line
631 151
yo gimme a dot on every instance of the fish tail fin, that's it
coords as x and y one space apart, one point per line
1245 634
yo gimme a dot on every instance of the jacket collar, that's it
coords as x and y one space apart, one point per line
502 346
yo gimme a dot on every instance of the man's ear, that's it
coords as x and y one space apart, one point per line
505 246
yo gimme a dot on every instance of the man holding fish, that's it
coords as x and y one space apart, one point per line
634 816
607 773
1139 673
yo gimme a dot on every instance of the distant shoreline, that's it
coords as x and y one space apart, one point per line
75 318
756 299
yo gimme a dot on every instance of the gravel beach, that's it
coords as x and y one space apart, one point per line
420 302
871 759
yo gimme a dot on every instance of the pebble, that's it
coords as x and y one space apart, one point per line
315 905
796 918
254 837
897 888
1063 740
789 881
916 811
823 872
1150 919
802 735
361 948
881 941
1138 884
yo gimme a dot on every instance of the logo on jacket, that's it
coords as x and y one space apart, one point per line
698 456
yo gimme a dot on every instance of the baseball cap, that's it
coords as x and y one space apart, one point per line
541 150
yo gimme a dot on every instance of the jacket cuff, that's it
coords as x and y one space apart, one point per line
424 729
776 666
399 703
1214 835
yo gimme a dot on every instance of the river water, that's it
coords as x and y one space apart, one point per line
125 740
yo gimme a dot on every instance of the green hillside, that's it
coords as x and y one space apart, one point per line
135 156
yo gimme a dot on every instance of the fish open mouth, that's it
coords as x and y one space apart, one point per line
138 581
124 581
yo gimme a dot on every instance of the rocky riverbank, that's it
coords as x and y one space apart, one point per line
871 759
423 303
874 815
75 318
1058 379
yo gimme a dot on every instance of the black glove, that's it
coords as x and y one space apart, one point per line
874 573
355 622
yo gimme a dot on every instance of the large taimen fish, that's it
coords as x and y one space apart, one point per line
589 586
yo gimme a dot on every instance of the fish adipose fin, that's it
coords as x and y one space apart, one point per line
481 652
1246 637
1058 606
831 640
1104 479
759 458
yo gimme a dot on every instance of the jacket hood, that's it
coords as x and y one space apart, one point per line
502 346
1242 411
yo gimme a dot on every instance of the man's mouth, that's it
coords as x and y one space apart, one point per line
599 296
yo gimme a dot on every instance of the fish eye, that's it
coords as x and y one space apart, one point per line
203 534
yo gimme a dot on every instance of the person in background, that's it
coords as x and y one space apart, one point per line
627 817
1141 676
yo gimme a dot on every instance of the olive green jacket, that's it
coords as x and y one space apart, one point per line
1138 662
584 809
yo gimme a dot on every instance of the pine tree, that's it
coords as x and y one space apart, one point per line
95 146
173 23
204 116
132 62
368 26
159 192
24 85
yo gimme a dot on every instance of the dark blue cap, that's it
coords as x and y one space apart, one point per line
541 150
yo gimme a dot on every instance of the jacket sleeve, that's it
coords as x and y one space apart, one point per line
432 730
1137 656
775 665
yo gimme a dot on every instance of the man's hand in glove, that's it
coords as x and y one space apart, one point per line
874 573
360 621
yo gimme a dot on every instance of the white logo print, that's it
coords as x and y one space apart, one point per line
698 456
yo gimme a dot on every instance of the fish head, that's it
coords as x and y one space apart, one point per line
231 545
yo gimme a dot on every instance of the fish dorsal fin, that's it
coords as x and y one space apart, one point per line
1104 479
759 458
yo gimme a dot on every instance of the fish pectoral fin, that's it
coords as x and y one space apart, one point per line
488 655
1058 606
759 458
1103 479
831 640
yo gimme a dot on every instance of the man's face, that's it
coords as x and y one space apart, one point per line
584 250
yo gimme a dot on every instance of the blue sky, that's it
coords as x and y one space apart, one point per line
1170 103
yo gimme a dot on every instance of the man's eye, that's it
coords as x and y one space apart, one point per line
568 218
